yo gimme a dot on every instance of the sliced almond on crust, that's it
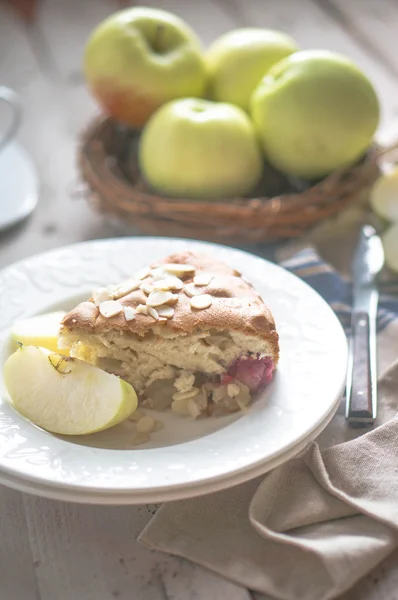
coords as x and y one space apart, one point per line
129 313
110 308
142 309
158 298
165 311
203 279
201 302
147 288
153 313
173 300
126 287
179 270
158 273
168 283
191 290
102 295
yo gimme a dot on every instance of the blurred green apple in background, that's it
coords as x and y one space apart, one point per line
314 112
239 59
140 58
195 148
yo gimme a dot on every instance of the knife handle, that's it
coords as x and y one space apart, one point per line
360 397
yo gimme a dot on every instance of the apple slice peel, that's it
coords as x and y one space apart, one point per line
65 395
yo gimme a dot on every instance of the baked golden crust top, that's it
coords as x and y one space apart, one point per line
235 305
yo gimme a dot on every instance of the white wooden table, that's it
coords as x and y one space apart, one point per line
55 551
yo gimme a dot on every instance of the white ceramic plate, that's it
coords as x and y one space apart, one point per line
185 458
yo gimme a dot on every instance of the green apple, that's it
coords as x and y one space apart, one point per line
138 59
41 330
200 149
314 112
239 59
65 395
384 196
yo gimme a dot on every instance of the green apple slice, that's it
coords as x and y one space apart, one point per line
66 395
41 330
384 196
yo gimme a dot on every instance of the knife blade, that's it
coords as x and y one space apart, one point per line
361 391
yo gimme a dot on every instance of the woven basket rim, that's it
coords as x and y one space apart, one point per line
374 154
289 213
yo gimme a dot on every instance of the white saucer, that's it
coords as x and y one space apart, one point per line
19 185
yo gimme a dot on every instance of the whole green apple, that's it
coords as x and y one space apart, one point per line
140 58
239 59
314 112
200 149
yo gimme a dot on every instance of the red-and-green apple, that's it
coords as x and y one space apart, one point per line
200 149
140 58
239 59
314 112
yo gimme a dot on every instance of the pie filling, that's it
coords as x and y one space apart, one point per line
204 374
198 394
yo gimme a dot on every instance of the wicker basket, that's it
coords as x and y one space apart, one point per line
279 209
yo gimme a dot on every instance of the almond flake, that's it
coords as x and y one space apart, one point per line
169 283
162 320
101 295
142 309
158 298
153 313
203 279
201 302
191 290
165 311
126 287
142 274
147 288
179 269
129 313
173 300
158 274
110 308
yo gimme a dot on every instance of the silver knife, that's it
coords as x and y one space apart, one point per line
361 393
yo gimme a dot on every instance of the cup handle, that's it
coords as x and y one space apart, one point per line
12 99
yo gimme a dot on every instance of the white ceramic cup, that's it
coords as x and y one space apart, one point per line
9 97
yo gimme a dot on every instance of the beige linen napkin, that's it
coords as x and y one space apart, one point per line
315 525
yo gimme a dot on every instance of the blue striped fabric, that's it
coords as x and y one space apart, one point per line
307 265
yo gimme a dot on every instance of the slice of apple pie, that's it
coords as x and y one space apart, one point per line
188 333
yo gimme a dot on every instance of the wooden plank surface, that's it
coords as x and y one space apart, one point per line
57 551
